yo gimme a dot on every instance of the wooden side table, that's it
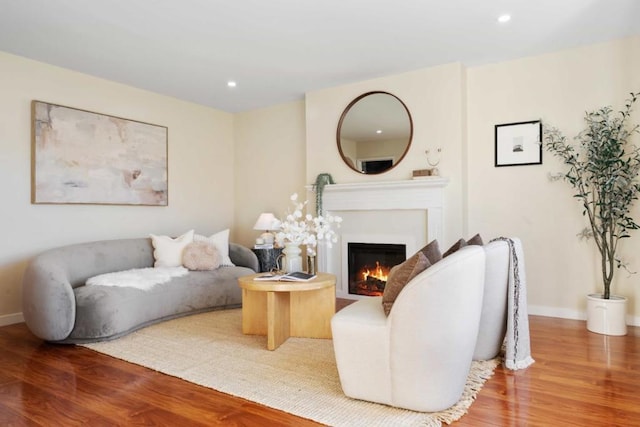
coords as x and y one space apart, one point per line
283 309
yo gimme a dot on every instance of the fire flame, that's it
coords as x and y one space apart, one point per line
379 273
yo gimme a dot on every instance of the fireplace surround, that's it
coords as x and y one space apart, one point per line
409 212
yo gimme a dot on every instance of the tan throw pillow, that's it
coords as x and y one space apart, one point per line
455 248
432 252
201 256
475 240
399 276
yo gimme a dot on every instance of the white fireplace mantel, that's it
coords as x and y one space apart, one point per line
419 194
427 194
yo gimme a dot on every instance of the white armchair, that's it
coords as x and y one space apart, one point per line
419 356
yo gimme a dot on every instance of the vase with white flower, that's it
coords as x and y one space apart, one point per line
300 228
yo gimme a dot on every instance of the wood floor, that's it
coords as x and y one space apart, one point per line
579 379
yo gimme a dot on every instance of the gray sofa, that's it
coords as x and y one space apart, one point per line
58 307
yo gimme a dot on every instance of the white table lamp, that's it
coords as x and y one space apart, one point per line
266 222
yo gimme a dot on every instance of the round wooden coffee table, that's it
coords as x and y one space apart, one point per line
281 310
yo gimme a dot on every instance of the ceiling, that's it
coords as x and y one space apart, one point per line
277 50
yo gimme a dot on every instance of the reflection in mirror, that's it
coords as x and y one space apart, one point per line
374 132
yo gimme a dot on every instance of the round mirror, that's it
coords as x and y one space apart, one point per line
374 132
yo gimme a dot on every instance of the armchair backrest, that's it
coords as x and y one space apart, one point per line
433 327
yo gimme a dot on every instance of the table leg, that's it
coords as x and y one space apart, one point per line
278 319
311 313
254 312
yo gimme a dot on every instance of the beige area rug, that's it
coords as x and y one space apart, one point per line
300 377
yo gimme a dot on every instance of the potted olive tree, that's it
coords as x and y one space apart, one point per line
603 168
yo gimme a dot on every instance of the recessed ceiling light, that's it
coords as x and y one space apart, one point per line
379 131
231 83
504 18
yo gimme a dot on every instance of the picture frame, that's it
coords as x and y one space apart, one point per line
518 144
84 157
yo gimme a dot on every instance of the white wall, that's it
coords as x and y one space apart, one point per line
270 164
393 148
520 201
434 97
201 171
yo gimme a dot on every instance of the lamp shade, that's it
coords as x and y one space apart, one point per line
266 221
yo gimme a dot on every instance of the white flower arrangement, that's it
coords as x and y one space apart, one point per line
301 229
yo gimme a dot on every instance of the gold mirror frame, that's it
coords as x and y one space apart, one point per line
383 122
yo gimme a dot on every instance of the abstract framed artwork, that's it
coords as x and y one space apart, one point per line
82 157
518 144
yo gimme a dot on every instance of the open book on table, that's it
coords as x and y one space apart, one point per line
297 276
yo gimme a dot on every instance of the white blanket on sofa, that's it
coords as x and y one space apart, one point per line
141 278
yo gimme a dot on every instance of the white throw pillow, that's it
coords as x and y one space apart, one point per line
221 242
167 251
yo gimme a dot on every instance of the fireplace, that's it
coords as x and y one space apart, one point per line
409 212
369 266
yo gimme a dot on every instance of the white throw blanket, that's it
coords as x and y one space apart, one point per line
517 341
141 278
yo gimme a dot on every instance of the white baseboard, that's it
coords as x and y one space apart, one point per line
564 313
10 319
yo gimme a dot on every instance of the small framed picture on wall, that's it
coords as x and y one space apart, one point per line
518 144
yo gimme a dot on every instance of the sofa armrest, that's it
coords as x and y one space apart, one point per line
49 304
243 256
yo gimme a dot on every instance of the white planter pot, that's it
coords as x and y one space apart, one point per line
607 316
